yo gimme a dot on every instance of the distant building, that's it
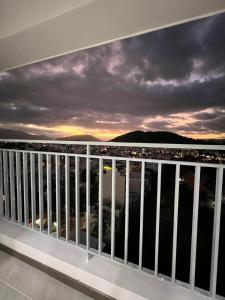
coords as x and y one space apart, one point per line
120 187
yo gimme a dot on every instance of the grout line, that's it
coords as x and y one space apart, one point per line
15 289
61 277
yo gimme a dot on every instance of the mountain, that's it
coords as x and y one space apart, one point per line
85 138
155 137
215 141
15 134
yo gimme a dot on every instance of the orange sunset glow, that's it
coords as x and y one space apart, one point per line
169 80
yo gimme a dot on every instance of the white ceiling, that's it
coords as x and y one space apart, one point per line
18 15
32 30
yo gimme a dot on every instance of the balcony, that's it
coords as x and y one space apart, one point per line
130 221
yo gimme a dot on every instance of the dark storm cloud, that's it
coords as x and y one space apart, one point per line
209 116
67 100
175 70
174 53
217 124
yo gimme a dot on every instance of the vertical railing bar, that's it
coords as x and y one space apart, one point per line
175 222
12 185
1 186
33 188
58 200
49 193
77 200
40 185
19 188
195 225
159 177
127 211
25 190
88 198
216 231
6 182
141 214
67 196
100 214
113 208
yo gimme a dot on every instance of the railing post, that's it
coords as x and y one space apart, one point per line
88 201
58 200
25 190
141 214
12 186
77 200
157 217
6 182
33 190
67 196
195 226
1 186
40 180
216 231
19 187
113 208
49 193
175 222
127 212
100 214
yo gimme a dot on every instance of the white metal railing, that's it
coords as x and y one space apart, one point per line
21 168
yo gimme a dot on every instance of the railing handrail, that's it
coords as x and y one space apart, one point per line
121 144
119 158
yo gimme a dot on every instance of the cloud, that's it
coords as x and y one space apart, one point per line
120 86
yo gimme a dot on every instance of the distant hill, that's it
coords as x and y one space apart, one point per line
15 134
215 141
86 138
155 137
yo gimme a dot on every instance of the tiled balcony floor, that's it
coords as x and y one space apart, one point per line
21 281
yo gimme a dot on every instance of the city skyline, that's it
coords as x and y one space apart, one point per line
168 80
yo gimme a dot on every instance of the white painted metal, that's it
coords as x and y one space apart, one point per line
100 199
77 199
33 189
49 193
168 162
67 197
216 231
157 161
88 198
157 217
1 186
19 188
6 182
113 208
195 226
12 185
108 277
127 211
141 214
40 188
175 222
58 199
25 190
119 144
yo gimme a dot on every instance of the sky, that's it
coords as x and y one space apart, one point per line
168 80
